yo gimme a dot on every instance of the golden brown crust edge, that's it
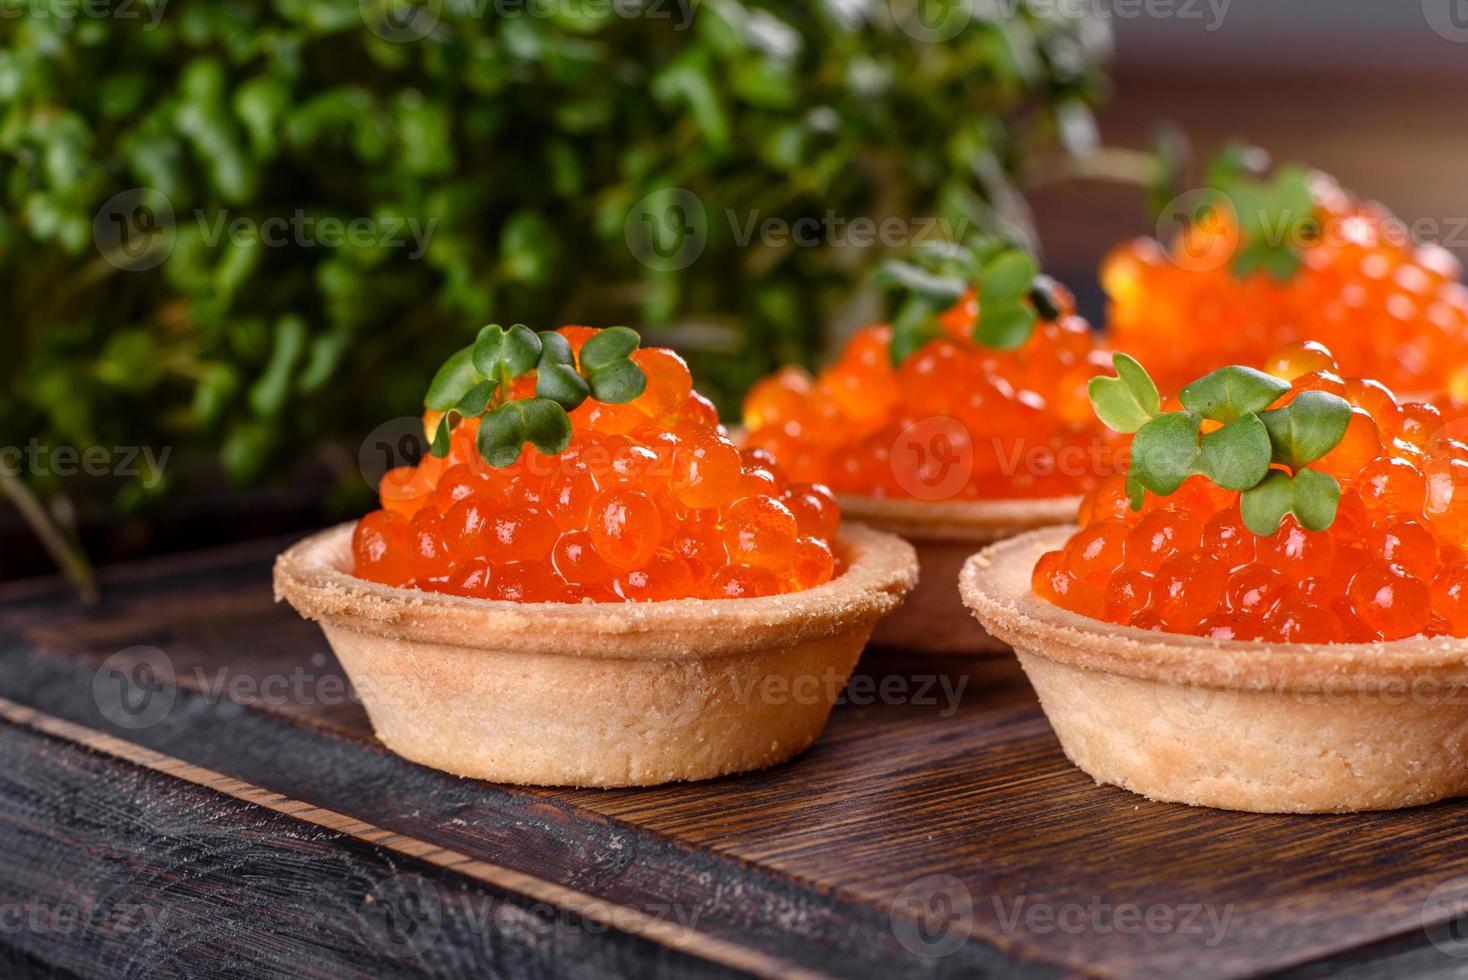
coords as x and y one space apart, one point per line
995 584
971 521
880 571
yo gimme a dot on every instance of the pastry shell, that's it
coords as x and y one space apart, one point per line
596 694
945 533
1282 728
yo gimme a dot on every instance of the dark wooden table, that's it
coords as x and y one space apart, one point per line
187 788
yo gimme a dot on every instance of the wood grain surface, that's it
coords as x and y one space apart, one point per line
934 830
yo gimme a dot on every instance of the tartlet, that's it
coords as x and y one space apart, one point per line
1241 725
1269 612
596 694
586 583
953 426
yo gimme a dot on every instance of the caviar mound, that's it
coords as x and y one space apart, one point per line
1391 565
954 421
650 501
1387 307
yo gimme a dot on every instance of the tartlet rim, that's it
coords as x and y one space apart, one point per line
994 584
880 570
977 521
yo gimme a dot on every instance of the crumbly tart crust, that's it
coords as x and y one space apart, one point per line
596 694
1268 728
945 534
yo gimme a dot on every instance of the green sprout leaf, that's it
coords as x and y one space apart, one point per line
503 355
1307 428
1004 326
554 349
605 363
938 291
504 432
1006 278
476 400
1310 495
452 382
1165 451
915 325
618 382
1237 455
561 384
556 375
1126 402
1231 392
440 445
606 347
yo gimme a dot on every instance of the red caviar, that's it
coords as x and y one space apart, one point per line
1383 304
1008 423
1393 564
650 501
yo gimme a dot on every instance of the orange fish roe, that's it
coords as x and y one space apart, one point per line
649 501
1008 423
1384 305
1393 564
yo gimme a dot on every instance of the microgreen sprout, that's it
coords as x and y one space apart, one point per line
1261 452
1012 294
477 383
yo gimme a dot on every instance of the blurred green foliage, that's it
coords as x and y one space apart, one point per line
520 136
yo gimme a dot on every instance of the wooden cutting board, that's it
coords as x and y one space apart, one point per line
241 819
